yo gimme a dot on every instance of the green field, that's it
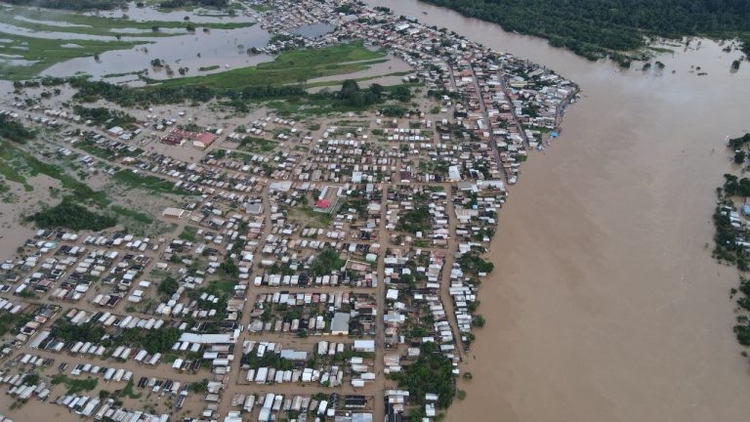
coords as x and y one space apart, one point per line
133 214
290 67
148 182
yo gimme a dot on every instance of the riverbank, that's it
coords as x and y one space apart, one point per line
607 306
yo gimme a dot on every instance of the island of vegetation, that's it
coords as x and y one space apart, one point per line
598 28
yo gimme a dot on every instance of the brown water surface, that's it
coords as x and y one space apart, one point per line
605 304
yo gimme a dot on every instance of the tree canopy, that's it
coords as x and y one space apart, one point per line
14 131
592 27
70 215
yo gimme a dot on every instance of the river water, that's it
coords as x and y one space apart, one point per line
605 304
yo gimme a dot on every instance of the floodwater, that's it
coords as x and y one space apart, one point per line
224 47
605 304
314 30
150 14
215 47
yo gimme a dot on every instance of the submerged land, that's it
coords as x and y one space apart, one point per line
299 239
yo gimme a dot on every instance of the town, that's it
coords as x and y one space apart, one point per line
276 266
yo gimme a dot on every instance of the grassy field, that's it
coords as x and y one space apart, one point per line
148 182
133 214
189 233
291 67
258 145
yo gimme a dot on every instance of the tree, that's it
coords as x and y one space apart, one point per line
70 215
739 157
478 321
229 268
325 263
31 378
168 286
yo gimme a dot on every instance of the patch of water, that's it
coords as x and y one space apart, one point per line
314 30
51 23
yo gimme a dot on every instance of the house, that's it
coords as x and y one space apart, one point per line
340 324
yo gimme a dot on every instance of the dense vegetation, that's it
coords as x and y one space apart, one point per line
101 115
472 263
593 27
14 131
325 263
154 341
72 216
431 373
128 97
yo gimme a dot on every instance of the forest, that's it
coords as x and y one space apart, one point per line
594 28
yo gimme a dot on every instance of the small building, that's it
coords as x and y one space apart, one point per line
340 324
364 346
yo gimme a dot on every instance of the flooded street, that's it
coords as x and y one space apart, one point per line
605 304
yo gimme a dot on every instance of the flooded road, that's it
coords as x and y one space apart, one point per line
605 304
